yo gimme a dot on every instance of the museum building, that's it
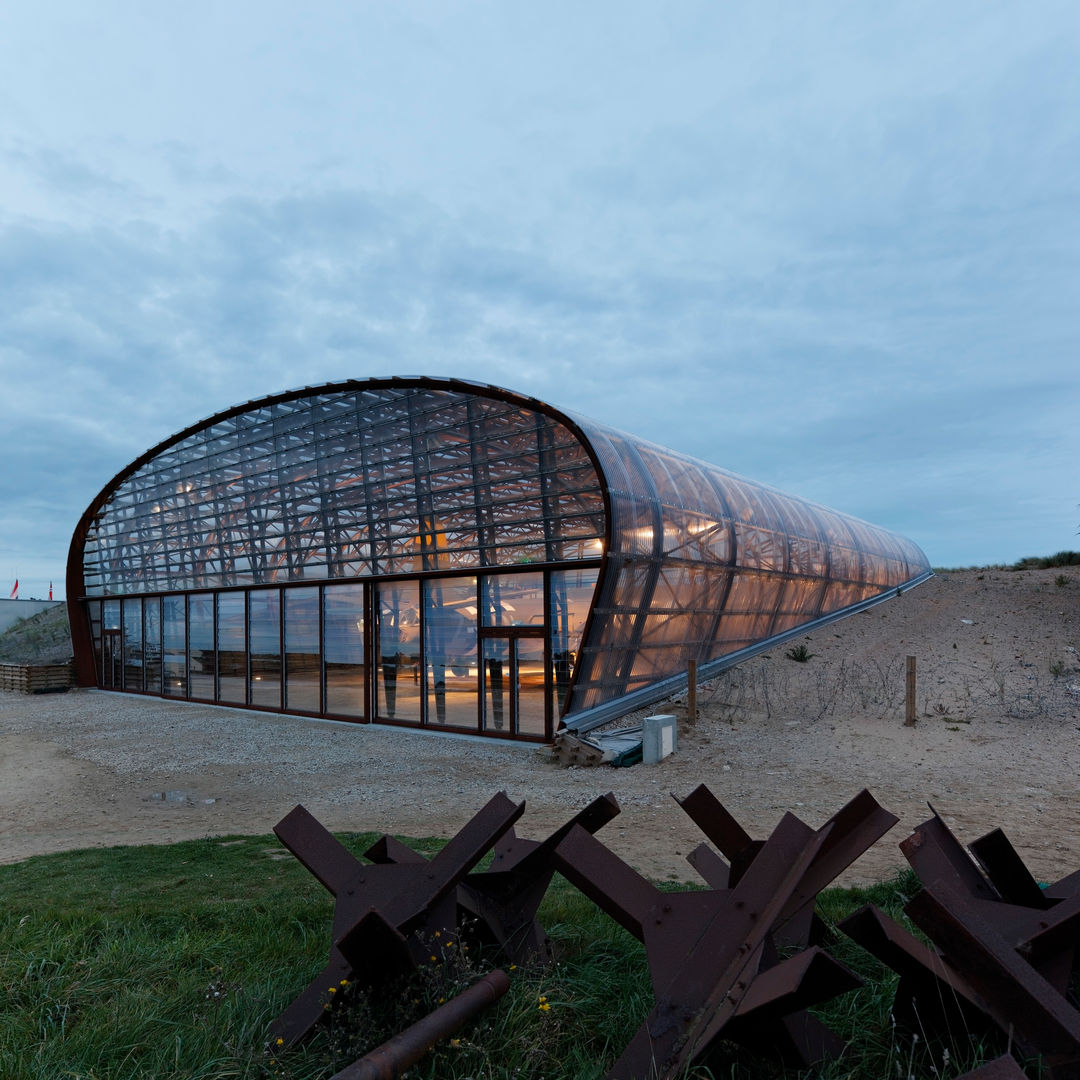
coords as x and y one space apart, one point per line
443 554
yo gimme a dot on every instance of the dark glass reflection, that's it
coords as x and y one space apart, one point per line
303 675
264 643
343 645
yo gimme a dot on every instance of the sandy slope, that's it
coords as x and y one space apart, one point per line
997 743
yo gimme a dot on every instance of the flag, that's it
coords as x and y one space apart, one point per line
15 591
50 590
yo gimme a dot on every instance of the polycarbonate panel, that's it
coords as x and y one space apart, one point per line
703 564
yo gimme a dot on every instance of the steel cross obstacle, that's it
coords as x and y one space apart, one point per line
383 913
1004 948
502 901
851 831
714 966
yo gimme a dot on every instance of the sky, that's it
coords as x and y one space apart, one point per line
833 247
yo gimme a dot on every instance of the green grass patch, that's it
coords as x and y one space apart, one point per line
171 962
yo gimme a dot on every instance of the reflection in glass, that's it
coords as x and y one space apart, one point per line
571 597
397 613
515 684
343 645
264 644
152 644
111 653
303 676
513 600
174 646
232 648
93 614
496 676
450 651
202 657
133 651
530 673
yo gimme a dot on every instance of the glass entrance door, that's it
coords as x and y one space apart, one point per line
514 674
110 659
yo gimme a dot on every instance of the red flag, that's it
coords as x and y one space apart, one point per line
50 590
15 591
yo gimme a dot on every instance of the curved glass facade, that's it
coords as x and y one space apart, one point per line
435 552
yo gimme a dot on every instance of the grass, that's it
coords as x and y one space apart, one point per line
171 962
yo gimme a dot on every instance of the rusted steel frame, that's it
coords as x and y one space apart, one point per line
1019 999
314 845
1056 930
935 854
406 897
714 820
712 964
850 831
801 981
393 1057
516 853
373 945
772 1020
468 847
1001 1068
930 995
598 873
506 897
387 849
1006 870
1065 887
713 870
1043 936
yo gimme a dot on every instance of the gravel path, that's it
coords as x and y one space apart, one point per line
996 744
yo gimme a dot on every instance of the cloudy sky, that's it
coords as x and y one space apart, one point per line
831 246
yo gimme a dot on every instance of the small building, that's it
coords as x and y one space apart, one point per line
443 554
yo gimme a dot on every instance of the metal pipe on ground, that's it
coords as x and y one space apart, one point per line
389 1061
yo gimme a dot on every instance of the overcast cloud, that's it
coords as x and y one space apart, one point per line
832 247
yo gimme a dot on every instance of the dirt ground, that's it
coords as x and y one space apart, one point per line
996 743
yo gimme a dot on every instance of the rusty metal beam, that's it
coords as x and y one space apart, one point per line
1001 1068
390 1060
1019 999
1006 870
935 854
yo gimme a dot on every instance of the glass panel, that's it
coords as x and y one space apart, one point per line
133 650
152 644
450 651
303 676
571 597
93 616
496 684
111 652
174 645
513 600
232 648
343 644
397 611
531 683
264 645
202 656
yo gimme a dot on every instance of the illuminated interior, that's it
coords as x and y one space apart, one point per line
438 553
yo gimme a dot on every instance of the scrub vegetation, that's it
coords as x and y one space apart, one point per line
44 638
171 961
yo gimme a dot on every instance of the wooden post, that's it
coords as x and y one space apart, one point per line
909 695
691 693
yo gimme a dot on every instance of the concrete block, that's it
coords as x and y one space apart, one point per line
659 737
